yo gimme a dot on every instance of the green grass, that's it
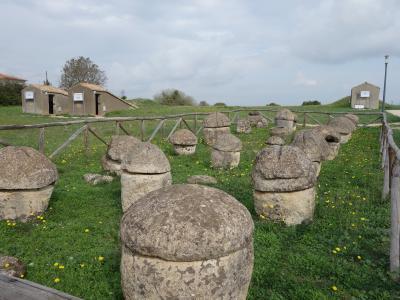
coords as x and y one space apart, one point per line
290 262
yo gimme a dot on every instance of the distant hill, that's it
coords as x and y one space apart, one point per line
343 102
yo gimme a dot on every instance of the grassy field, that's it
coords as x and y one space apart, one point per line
343 254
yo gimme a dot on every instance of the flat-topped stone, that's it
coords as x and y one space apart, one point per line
25 168
285 114
343 125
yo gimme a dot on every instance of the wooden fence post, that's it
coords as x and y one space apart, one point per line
41 140
395 224
304 120
386 172
142 128
116 128
86 140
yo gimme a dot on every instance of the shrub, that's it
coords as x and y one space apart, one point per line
311 102
220 104
10 94
173 97
272 104
203 103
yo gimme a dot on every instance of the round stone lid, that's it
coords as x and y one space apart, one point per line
285 114
275 140
283 169
145 158
183 137
342 125
186 222
228 143
119 146
314 144
352 118
25 168
216 119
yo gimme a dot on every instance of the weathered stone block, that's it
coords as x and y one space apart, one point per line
292 208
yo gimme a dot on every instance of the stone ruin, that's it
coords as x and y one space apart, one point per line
352 118
281 132
284 179
214 125
344 126
243 126
27 181
316 145
225 152
286 119
144 169
12 266
332 137
275 140
186 241
256 119
184 142
117 149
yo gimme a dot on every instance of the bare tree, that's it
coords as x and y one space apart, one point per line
81 69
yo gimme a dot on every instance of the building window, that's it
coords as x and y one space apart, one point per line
78 97
29 96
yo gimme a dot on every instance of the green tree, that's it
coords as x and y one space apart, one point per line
10 93
81 69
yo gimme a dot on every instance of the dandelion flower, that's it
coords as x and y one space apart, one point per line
334 288
6 265
358 257
82 265
56 280
337 249
100 258
56 264
61 267
86 230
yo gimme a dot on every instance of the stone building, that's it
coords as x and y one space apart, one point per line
365 95
95 100
45 100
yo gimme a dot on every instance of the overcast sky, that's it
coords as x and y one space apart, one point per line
239 52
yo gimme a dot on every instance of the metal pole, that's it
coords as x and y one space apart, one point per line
384 83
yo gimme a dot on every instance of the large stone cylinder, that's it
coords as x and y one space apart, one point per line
284 179
285 118
27 180
186 242
225 152
144 169
215 124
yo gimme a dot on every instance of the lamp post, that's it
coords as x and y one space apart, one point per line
384 83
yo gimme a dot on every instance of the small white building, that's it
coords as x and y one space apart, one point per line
365 96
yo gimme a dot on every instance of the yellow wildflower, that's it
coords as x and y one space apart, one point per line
100 258
334 288
57 280
86 230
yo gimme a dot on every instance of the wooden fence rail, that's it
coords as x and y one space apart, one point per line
391 185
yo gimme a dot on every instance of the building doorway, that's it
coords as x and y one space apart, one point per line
97 100
51 104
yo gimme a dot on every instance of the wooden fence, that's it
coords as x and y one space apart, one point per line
391 184
193 121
